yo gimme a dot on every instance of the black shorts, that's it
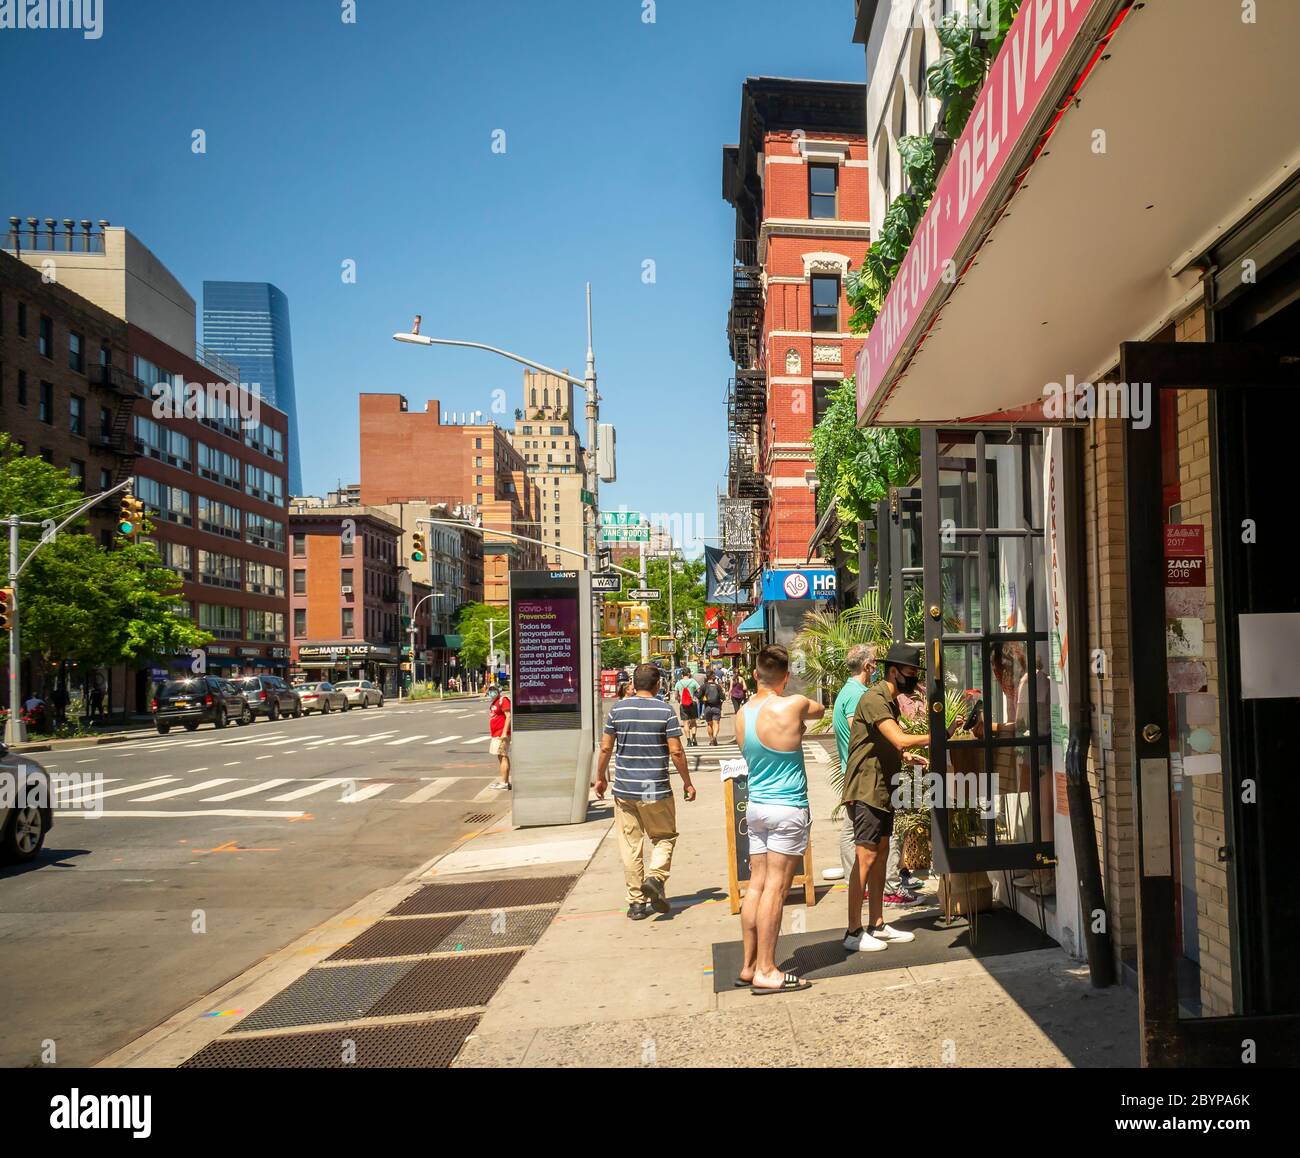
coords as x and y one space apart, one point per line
689 712
711 713
870 825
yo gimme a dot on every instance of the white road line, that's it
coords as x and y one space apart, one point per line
292 740
232 764
160 815
183 791
314 786
368 739
90 793
70 791
405 740
332 740
364 793
442 740
265 757
260 786
478 740
429 791
189 770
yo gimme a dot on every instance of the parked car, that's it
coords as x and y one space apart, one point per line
270 696
199 700
27 815
322 697
361 693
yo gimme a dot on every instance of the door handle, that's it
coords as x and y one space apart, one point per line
1152 733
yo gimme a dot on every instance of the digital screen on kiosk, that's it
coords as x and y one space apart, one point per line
547 660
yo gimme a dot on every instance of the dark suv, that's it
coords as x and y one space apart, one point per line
199 700
270 696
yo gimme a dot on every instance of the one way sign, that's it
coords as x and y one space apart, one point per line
607 581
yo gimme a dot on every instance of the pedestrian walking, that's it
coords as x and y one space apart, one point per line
59 702
877 749
642 735
738 693
499 729
770 731
711 700
687 691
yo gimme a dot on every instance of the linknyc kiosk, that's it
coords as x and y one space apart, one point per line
552 693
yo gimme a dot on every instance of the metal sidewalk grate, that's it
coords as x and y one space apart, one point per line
445 899
428 1045
528 891
476 817
398 938
447 983
323 995
505 929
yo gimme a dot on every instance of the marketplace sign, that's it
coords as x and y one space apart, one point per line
1039 40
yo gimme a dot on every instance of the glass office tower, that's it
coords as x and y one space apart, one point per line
247 322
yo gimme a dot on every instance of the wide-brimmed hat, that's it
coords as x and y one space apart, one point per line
904 655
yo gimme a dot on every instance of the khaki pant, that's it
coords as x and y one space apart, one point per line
637 820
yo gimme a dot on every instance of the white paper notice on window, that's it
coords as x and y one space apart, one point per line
1270 656
733 769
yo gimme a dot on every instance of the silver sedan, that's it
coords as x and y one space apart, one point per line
361 693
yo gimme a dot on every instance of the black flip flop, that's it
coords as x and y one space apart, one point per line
741 983
789 984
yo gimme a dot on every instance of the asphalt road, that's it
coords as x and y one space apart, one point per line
199 853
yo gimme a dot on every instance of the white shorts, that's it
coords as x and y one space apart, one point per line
499 746
777 828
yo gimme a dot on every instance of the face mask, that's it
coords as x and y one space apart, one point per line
907 684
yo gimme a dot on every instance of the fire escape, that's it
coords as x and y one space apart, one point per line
747 391
117 436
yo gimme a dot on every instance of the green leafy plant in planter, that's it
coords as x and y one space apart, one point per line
969 42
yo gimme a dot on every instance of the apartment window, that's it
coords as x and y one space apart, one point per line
922 85
822 183
478 444
300 546
175 556
263 579
266 440
218 518
347 546
47 404
262 531
169 503
105 480
47 454
300 582
220 620
345 577
825 304
160 442
77 469
45 338
219 570
77 415
300 622
266 626
105 364
22 319
76 353
348 627
262 484
218 466
22 387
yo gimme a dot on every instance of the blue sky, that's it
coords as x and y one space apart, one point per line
372 142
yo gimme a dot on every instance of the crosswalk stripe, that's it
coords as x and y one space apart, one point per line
182 791
292 740
204 813
441 740
405 740
332 740
429 791
364 793
70 791
478 739
158 782
368 739
261 786
314 786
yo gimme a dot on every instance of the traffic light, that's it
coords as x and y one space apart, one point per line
130 516
417 547
6 609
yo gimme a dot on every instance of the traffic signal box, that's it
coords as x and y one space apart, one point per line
6 609
130 516
418 554
626 618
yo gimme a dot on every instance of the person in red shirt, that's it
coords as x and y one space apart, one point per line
499 745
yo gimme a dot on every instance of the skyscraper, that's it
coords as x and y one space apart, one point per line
247 322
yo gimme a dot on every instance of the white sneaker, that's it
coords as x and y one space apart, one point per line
888 933
862 942
501 786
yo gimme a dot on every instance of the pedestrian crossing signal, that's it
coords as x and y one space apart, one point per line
130 515
417 547
6 609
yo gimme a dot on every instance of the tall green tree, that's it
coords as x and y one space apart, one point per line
80 602
477 635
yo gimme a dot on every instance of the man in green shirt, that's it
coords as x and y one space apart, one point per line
876 750
687 692
861 662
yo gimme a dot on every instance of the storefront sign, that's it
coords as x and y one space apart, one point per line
807 583
1184 539
1039 40
1188 571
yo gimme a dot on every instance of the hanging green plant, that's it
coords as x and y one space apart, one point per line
969 42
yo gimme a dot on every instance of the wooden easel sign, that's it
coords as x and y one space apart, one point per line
735 798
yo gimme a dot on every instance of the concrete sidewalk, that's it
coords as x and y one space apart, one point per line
600 990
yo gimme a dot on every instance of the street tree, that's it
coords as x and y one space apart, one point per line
477 635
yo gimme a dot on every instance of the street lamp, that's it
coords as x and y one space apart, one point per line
414 612
586 383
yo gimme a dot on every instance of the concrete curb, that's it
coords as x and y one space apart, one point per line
80 741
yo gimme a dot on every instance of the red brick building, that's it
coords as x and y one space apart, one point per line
416 457
798 180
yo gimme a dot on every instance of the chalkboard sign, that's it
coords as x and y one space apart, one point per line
735 797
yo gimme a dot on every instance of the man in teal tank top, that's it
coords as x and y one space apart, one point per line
769 731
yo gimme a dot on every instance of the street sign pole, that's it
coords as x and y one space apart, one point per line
645 631
15 729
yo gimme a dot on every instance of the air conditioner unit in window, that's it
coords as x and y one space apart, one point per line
346 589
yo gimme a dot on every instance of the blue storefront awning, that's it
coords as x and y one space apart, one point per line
754 624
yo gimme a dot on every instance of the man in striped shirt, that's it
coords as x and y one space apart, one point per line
642 734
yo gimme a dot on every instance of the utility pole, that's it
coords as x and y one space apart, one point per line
645 631
15 730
